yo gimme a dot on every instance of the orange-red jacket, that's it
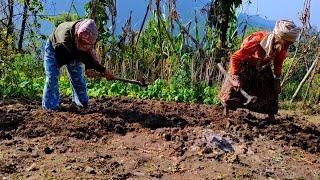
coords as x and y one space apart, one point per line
251 51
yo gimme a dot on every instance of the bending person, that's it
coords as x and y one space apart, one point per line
250 68
71 44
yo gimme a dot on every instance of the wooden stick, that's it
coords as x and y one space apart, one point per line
309 86
144 20
305 78
245 94
130 81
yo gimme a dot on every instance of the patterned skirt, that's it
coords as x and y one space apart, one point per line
259 83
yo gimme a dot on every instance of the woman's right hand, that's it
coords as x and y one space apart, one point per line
236 82
90 73
108 75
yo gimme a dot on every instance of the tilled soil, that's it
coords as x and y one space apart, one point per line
122 138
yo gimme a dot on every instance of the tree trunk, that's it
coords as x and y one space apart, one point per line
226 6
113 11
92 12
10 17
160 64
23 24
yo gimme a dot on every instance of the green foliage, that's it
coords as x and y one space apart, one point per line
101 11
222 15
157 90
62 17
211 95
286 105
288 90
21 77
290 87
36 6
170 61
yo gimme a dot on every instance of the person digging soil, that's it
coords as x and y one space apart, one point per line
250 68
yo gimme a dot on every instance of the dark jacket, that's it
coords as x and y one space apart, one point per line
64 43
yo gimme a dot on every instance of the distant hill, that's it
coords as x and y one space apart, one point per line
255 21
186 10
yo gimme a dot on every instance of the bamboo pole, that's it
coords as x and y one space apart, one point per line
309 85
305 77
304 17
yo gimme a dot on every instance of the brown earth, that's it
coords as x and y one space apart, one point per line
122 138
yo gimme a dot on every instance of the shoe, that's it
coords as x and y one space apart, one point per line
271 117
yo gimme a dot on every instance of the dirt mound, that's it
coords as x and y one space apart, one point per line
293 130
123 138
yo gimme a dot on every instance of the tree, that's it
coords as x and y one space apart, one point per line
24 22
222 20
10 17
221 16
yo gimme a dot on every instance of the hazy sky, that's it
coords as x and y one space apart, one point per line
283 9
269 9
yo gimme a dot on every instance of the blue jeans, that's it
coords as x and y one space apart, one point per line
50 98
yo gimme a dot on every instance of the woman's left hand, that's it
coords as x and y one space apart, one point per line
236 82
277 86
90 73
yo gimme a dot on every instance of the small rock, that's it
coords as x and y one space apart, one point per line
207 150
156 175
160 131
33 167
315 161
3 177
233 159
35 154
175 130
181 150
168 137
250 152
120 129
29 149
63 150
90 170
185 138
269 173
9 143
228 124
72 160
7 136
48 150
108 156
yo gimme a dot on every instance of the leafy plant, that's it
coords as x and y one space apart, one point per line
163 53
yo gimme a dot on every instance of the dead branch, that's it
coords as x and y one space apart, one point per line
305 77
144 20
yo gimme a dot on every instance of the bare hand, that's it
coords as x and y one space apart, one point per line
236 82
108 75
92 73
277 86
